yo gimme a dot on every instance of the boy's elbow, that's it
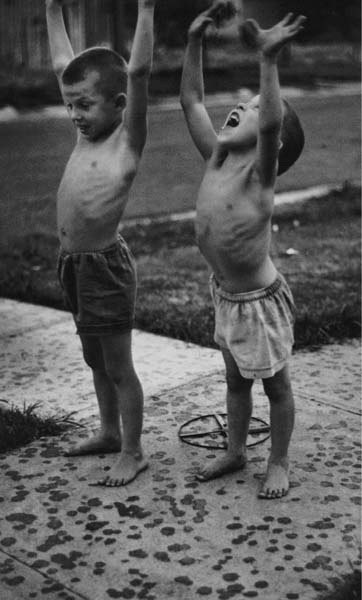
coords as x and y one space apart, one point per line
271 126
59 66
188 101
140 72
58 71
184 101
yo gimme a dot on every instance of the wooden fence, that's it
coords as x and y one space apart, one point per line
24 40
23 34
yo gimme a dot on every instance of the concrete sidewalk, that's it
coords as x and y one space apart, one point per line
166 535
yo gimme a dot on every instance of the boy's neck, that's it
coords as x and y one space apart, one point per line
105 135
239 158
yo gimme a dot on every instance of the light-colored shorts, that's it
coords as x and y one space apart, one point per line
256 327
100 288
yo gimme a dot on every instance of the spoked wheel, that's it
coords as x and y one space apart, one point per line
210 431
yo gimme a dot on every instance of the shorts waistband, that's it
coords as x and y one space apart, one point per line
102 251
249 296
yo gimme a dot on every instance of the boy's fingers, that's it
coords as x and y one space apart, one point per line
297 26
287 19
222 11
300 20
206 21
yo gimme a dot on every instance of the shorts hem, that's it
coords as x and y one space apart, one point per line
263 373
101 330
259 373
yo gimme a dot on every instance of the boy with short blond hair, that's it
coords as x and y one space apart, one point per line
254 308
107 102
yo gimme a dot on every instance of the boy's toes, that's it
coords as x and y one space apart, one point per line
115 482
266 494
269 494
202 475
111 482
105 481
98 482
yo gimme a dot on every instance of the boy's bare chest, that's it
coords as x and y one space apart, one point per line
92 174
226 199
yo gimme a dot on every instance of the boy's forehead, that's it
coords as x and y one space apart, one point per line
246 99
251 101
88 86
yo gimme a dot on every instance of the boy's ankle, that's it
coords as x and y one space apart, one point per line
282 460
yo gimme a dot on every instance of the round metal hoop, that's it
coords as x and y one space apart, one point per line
213 429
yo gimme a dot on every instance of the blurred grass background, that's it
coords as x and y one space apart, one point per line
173 296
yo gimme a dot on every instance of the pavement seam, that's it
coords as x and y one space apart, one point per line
47 577
315 398
221 372
25 330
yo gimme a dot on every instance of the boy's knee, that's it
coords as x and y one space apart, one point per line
119 374
238 384
115 375
93 358
277 388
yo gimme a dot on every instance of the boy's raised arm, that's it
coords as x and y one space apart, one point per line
60 47
269 43
139 71
192 83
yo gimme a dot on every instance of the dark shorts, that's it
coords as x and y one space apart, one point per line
100 288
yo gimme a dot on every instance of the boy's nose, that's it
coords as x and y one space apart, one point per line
74 114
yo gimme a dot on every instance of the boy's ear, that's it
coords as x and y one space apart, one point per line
121 100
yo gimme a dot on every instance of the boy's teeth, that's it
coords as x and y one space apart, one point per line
233 121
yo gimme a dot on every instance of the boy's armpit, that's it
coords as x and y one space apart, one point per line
201 128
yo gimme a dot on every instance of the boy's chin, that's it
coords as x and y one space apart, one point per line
228 141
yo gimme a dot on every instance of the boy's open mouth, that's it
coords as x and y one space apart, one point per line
233 120
83 128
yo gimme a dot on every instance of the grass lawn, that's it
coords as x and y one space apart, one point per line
173 297
348 588
20 427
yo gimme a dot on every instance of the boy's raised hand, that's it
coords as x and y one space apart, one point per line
219 12
147 3
270 41
50 3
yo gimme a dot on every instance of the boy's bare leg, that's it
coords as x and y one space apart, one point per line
279 391
239 409
119 366
109 437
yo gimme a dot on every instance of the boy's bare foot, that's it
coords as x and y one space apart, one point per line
124 471
96 445
276 484
221 466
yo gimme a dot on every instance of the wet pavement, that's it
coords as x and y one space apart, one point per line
167 535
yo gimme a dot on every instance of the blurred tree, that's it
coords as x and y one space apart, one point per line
117 10
327 19
332 21
174 18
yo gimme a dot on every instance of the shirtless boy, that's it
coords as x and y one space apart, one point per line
107 102
254 310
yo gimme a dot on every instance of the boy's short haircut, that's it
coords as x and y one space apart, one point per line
292 137
111 67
